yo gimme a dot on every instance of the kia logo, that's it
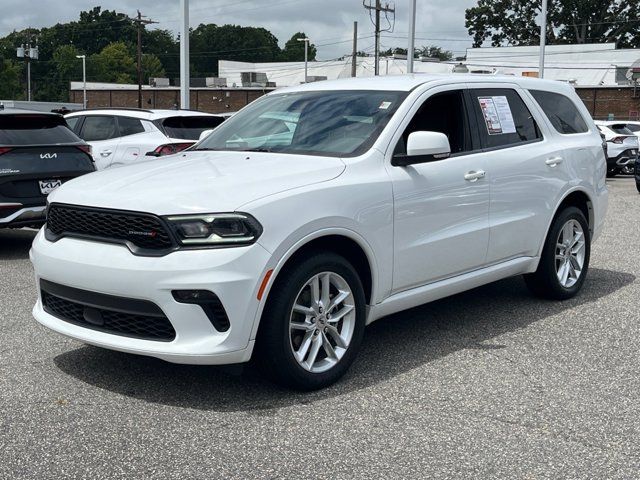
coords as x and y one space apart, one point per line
48 155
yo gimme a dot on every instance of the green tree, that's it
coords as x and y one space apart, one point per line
114 63
433 51
293 50
10 79
151 67
513 22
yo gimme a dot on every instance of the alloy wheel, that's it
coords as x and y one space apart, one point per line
570 253
322 322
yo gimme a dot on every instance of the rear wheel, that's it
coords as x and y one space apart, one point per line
565 258
313 323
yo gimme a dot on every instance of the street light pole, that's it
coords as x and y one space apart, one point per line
184 56
84 80
543 37
306 46
28 53
412 34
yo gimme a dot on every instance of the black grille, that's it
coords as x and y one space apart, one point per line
142 230
129 324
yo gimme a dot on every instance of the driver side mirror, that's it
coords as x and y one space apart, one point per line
204 134
423 147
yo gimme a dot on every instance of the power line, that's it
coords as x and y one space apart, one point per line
378 8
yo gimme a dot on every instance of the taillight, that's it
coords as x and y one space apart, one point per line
617 140
85 148
171 148
5 150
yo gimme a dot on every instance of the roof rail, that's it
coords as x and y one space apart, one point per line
118 108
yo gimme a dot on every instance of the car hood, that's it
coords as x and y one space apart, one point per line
197 182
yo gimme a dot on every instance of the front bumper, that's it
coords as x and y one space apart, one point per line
233 274
24 216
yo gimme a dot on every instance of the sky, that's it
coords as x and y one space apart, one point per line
328 23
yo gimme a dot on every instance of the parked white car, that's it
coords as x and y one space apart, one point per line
389 193
622 147
124 136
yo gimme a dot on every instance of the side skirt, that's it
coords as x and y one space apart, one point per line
450 286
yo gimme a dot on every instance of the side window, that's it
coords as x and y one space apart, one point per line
445 113
73 122
503 118
561 111
129 126
98 127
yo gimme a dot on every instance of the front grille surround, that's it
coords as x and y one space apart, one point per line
143 233
106 313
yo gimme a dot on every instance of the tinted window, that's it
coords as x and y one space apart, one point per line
73 122
98 127
561 111
129 126
633 127
335 123
445 113
34 129
621 129
503 118
189 128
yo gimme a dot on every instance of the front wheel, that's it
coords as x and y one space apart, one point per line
313 322
565 257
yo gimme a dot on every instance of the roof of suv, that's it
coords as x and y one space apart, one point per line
155 114
23 111
409 82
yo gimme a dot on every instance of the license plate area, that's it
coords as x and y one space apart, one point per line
48 186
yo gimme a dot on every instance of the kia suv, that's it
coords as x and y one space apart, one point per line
319 209
123 136
38 153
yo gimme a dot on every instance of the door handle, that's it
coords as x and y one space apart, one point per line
106 153
474 176
553 161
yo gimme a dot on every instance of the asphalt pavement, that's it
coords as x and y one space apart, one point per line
492 383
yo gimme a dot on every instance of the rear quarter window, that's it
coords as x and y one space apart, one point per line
561 112
34 129
189 128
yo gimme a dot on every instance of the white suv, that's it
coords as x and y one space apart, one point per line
123 136
320 208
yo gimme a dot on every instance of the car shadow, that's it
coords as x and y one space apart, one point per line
392 346
15 243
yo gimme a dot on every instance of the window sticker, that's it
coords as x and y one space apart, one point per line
384 105
497 115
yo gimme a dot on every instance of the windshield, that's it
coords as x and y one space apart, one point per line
332 123
189 128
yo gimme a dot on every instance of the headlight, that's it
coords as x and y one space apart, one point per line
215 229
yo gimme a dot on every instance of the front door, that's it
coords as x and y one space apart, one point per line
441 208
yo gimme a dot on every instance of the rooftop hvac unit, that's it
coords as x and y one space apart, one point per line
316 78
158 82
216 82
251 79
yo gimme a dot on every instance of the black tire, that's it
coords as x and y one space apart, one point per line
274 354
544 282
638 186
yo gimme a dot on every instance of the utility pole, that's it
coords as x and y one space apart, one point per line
412 34
354 51
184 56
378 9
141 22
28 53
543 37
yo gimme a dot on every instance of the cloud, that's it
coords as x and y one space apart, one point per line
329 23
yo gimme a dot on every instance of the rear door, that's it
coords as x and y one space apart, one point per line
101 132
525 170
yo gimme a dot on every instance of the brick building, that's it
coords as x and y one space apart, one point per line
205 99
605 102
